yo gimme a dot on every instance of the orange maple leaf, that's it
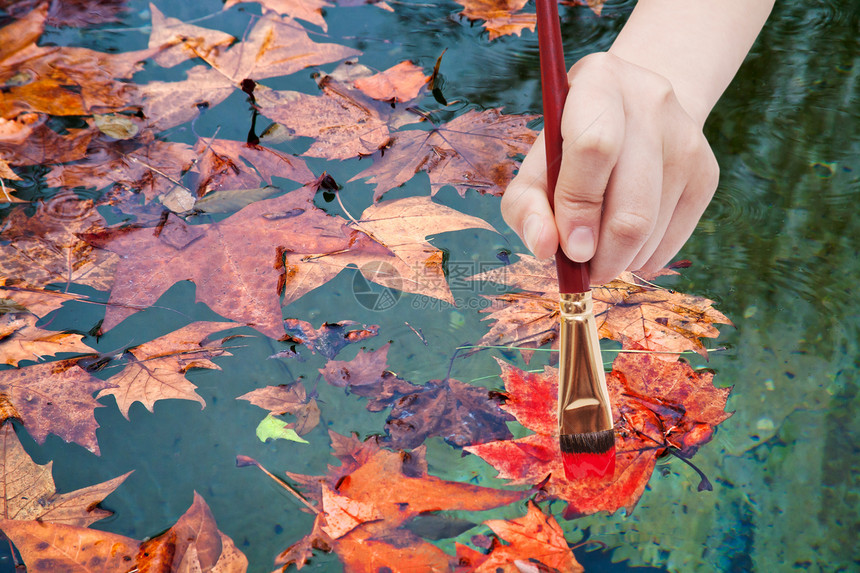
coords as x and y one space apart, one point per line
364 502
629 310
501 17
536 539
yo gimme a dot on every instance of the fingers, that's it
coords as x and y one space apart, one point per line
594 138
691 205
525 206
632 204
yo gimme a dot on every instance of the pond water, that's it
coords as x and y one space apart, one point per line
778 250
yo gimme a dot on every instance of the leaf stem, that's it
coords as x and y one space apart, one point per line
242 461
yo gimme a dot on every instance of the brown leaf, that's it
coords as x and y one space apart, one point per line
61 80
144 165
70 13
229 164
342 122
7 173
636 314
168 104
403 226
59 547
45 248
329 338
400 83
178 41
27 140
307 10
156 369
275 46
459 413
192 544
37 301
235 263
536 539
501 17
473 151
57 398
29 491
23 340
365 369
284 399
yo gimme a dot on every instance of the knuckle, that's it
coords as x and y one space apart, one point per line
630 228
597 145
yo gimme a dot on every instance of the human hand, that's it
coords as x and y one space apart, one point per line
636 173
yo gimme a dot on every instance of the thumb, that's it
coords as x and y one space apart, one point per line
592 145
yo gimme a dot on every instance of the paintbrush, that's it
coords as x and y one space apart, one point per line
586 435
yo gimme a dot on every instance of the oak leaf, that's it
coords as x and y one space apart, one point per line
501 17
192 544
371 496
657 405
21 339
45 248
631 311
473 151
307 10
156 369
29 492
237 263
536 539
284 399
57 398
399 83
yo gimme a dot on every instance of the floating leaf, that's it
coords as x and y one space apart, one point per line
473 151
29 492
656 405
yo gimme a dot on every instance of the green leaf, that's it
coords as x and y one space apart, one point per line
274 428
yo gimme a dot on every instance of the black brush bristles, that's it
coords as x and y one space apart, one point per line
587 443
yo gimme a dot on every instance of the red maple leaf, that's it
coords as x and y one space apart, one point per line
656 405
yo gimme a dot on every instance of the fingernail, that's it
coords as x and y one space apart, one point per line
531 231
580 244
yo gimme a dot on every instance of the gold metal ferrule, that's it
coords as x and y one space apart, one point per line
583 399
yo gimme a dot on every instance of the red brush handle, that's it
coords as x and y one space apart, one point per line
572 276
